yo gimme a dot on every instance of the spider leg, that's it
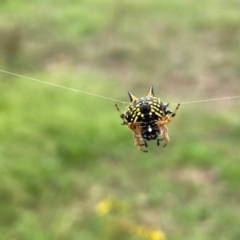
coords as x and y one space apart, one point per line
125 121
163 129
175 111
118 109
166 137
144 143
173 114
137 136
158 141
168 118
137 139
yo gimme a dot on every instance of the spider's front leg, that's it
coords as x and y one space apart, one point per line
136 128
163 129
137 141
145 143
125 121
173 114
166 137
158 141
137 136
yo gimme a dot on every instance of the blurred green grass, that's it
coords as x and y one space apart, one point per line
62 152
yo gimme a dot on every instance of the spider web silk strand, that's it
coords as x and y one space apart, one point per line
208 100
110 99
59 86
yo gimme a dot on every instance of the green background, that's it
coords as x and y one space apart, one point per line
62 152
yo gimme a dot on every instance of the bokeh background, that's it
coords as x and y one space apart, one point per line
69 170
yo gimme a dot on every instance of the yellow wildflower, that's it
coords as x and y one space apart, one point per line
156 235
103 207
148 233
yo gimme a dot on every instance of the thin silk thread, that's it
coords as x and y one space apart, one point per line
111 99
59 86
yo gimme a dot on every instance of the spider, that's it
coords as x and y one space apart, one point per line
147 117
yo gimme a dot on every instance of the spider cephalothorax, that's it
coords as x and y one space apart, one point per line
146 117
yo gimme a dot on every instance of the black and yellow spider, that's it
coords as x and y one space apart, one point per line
147 117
